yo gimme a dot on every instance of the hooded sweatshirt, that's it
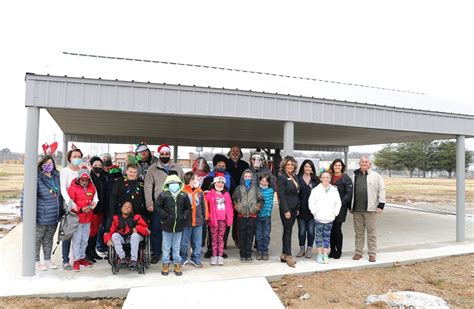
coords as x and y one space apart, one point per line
247 201
173 208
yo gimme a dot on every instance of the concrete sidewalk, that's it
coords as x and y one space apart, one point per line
403 236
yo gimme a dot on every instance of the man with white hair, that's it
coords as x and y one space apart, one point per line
367 203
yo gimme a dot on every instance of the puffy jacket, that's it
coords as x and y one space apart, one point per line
375 190
247 202
305 191
82 198
173 209
324 205
288 193
49 202
138 223
199 208
344 186
211 202
155 179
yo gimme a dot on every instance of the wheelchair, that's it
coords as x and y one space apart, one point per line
143 260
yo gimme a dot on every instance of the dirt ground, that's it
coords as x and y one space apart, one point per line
60 303
452 279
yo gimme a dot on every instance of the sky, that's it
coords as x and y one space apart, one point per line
423 46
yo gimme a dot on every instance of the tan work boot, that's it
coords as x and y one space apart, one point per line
283 258
165 269
290 261
177 269
301 253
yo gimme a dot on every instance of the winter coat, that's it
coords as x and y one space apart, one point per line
324 205
83 199
267 207
137 222
235 169
199 208
256 173
229 182
145 165
100 186
247 202
127 190
155 179
344 186
288 193
375 190
305 191
49 202
212 204
173 210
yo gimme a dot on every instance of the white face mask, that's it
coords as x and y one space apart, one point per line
264 187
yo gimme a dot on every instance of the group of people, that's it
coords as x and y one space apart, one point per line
180 211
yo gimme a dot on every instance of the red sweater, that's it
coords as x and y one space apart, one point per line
83 199
140 225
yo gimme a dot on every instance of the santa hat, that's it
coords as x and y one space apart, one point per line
164 148
83 173
219 177
141 147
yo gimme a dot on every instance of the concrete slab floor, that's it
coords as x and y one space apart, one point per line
403 235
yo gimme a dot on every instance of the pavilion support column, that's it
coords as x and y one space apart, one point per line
175 153
29 192
460 189
65 144
346 159
289 138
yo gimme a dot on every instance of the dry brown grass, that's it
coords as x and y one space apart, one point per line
430 190
11 181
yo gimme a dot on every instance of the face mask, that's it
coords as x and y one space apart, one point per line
97 170
107 163
264 187
196 184
165 160
248 182
220 169
48 168
76 161
174 187
257 163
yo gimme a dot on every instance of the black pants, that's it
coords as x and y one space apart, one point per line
336 238
287 231
235 231
247 228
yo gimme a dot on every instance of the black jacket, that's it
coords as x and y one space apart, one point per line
100 186
128 190
236 169
345 187
288 193
173 212
305 191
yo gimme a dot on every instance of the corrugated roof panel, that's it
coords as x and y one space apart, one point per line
172 73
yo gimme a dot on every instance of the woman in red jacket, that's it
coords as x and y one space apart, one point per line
82 193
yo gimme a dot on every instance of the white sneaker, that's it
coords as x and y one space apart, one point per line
220 260
50 264
40 267
213 260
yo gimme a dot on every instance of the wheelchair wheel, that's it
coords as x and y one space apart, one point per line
115 268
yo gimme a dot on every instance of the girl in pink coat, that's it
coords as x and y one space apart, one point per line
221 215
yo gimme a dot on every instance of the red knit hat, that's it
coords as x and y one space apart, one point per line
164 147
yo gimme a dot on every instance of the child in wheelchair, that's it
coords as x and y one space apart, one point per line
126 228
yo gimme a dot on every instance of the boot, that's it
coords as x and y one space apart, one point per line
177 269
309 252
290 261
283 258
165 269
301 253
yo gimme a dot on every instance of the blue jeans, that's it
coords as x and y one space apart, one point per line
66 248
193 234
306 232
171 243
262 236
156 237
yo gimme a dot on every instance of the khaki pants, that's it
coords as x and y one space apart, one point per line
365 221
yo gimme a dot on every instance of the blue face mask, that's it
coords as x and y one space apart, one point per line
174 187
248 182
76 161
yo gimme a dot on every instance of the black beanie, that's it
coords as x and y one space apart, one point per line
93 159
219 158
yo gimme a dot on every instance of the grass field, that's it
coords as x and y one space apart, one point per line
399 190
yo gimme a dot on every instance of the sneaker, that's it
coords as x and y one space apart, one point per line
85 263
325 259
122 262
220 261
319 259
249 260
195 264
259 256
265 256
40 267
165 269
213 260
224 255
243 260
67 266
177 270
208 254
50 264
185 262
76 266
132 266
155 259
